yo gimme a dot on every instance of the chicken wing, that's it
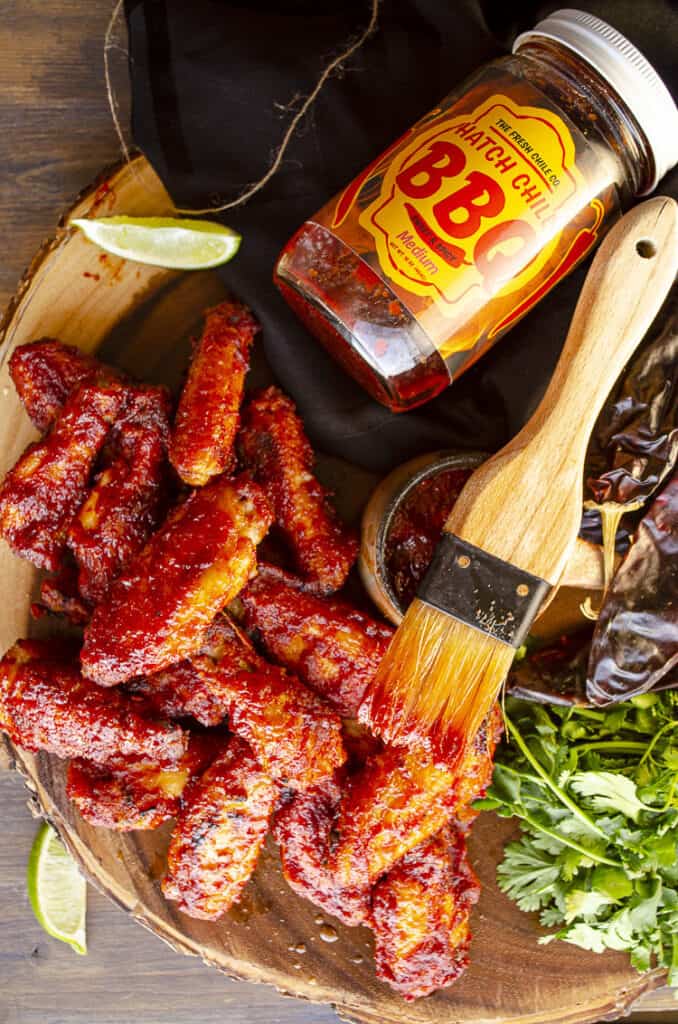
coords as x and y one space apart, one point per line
273 444
147 407
209 408
127 500
303 831
395 802
60 595
474 773
44 490
45 704
401 798
294 734
187 689
159 611
45 373
420 916
138 794
333 647
219 833
179 691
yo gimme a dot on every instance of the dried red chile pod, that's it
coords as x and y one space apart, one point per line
554 673
634 446
635 642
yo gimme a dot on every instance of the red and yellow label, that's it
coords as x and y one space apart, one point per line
475 203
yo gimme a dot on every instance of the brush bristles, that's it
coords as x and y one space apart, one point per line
437 682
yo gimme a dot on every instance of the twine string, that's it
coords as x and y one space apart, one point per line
110 94
278 155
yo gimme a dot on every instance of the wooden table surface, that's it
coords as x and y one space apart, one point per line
56 135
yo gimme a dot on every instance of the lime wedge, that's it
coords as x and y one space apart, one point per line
57 890
170 242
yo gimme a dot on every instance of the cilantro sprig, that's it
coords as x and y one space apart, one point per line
596 791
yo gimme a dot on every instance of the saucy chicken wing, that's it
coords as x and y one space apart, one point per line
209 408
273 445
159 611
44 490
138 794
401 798
127 500
45 704
474 773
60 595
395 802
294 734
219 833
187 689
420 916
180 691
333 647
44 374
303 831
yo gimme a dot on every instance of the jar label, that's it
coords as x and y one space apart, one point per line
468 203
475 214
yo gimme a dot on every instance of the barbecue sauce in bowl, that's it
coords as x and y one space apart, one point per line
403 522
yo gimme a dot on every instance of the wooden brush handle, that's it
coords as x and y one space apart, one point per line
524 504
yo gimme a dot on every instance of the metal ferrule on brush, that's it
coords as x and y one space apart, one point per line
482 591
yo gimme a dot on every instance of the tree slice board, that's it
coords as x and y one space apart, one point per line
141 318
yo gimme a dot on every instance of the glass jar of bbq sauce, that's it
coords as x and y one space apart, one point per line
454 233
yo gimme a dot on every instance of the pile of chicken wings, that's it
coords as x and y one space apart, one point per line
214 679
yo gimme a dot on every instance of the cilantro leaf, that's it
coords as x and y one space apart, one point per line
609 791
596 793
579 903
527 875
585 935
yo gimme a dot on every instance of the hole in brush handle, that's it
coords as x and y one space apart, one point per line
646 248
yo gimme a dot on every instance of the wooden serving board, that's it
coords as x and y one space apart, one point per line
141 318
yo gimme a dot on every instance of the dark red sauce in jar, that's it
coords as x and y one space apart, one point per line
475 213
340 298
416 528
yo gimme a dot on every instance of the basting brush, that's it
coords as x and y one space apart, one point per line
511 531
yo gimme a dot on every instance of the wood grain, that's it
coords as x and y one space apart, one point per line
57 135
55 125
128 976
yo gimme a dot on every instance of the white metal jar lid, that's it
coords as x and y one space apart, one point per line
631 76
